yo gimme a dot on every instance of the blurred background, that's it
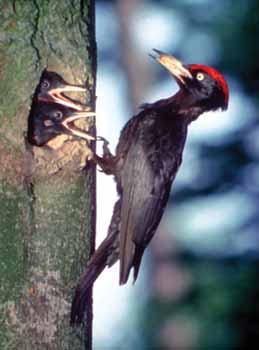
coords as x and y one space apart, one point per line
198 287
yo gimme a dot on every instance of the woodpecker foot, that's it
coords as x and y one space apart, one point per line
106 162
106 151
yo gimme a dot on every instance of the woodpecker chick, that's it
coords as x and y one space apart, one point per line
148 155
51 88
48 103
47 120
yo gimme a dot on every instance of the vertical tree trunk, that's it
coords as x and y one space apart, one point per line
47 203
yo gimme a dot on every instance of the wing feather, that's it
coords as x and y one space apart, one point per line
143 199
150 153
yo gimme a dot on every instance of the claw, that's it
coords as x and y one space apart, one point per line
106 151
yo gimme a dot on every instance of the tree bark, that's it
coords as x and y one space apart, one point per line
47 203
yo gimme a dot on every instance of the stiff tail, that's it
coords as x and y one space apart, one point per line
134 262
137 260
95 266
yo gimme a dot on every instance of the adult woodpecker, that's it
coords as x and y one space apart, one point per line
52 113
147 158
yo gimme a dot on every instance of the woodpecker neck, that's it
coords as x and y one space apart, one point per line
184 106
180 105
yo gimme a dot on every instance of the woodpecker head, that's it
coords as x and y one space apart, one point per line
47 120
51 88
202 86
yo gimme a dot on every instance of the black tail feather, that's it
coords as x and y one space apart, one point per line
137 260
96 265
82 294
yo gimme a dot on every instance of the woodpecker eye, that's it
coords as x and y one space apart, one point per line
58 115
200 76
45 84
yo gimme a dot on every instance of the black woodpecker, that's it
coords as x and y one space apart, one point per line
148 155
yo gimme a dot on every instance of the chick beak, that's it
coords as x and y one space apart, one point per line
173 65
68 123
57 95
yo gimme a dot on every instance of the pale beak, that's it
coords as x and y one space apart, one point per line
173 65
57 95
68 123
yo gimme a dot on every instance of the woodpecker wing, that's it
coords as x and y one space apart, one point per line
146 181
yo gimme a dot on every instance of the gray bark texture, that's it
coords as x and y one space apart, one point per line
47 202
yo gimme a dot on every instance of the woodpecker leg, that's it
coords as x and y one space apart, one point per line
106 162
106 151
106 165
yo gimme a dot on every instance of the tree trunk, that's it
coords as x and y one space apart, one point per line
47 203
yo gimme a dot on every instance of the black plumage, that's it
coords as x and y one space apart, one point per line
148 155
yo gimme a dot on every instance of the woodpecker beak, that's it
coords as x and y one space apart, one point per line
174 66
58 97
68 123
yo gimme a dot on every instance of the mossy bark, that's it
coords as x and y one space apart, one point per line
47 202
